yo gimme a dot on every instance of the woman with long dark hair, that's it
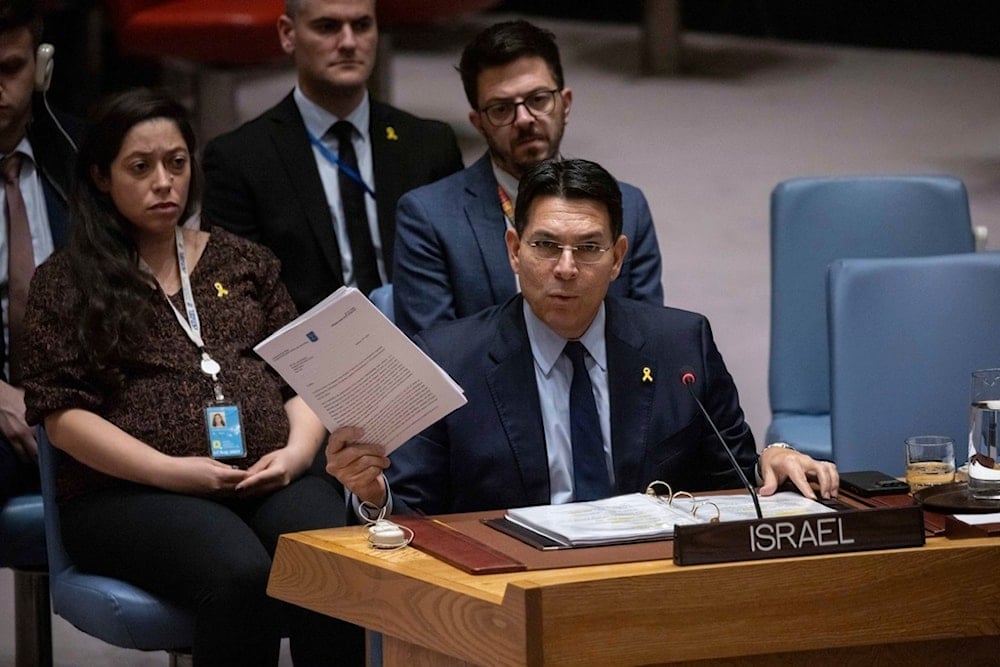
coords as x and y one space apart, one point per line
143 330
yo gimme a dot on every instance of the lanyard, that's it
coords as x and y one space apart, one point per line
335 161
191 324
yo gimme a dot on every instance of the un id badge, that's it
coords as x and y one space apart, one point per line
225 431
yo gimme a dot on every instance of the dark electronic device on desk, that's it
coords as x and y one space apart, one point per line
867 483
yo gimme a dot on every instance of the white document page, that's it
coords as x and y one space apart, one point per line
639 516
353 367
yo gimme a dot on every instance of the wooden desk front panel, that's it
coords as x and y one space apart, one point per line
647 613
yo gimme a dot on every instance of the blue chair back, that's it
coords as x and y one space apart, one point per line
22 548
110 609
815 221
22 532
382 298
905 335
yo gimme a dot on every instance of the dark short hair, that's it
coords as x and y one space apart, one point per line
16 14
292 7
502 44
569 179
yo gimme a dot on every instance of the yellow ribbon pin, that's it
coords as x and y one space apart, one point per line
221 290
647 374
390 134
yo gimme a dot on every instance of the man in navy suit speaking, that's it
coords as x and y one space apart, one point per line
572 394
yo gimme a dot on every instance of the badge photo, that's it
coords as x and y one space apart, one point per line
225 432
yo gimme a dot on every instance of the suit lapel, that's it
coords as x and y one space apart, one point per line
515 394
485 217
294 152
631 398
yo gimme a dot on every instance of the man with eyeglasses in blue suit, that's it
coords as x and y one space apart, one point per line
450 257
573 394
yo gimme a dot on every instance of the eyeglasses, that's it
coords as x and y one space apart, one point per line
585 253
538 103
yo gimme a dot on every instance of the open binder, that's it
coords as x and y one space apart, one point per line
640 517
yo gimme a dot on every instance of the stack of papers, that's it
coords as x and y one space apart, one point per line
353 367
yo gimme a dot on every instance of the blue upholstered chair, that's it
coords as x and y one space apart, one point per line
905 334
382 298
109 609
22 548
815 221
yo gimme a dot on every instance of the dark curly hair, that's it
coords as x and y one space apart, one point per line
113 306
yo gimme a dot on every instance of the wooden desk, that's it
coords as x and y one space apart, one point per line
939 604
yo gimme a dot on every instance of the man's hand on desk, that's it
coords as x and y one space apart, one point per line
357 465
778 464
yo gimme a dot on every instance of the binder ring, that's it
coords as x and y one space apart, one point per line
714 519
685 494
651 489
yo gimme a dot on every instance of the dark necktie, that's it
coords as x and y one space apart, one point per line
352 198
590 470
20 263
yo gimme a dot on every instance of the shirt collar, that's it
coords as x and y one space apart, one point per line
547 345
318 120
24 148
506 181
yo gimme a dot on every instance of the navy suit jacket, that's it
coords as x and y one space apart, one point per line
55 160
490 453
261 182
451 258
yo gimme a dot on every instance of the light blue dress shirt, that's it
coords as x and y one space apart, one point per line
553 376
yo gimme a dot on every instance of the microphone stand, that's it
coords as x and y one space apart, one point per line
688 379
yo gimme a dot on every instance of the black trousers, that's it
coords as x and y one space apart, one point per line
214 555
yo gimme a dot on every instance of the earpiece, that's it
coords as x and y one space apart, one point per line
44 62
384 534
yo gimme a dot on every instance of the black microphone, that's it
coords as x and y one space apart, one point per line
688 378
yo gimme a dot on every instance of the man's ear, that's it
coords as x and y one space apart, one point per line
477 121
513 247
286 34
619 249
567 97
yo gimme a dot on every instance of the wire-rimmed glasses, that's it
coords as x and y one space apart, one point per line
538 103
663 492
583 253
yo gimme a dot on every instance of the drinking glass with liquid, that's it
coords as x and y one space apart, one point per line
930 461
984 422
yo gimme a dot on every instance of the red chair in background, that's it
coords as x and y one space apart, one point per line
207 43
211 42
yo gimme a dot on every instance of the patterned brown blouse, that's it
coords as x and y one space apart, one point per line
240 302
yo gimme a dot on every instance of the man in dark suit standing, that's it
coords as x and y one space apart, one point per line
36 163
572 394
450 259
320 193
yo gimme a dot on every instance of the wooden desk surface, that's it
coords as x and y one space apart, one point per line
925 605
